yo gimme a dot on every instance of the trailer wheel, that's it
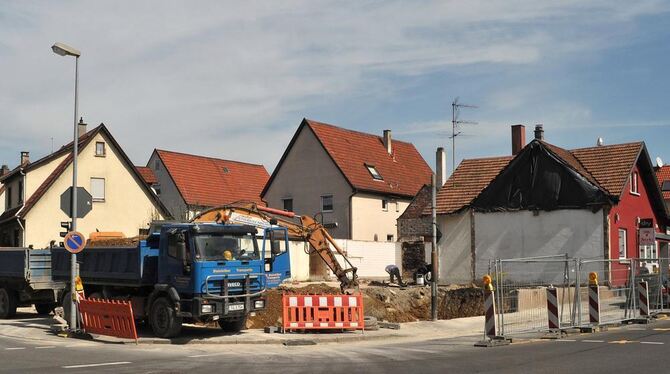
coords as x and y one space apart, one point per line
163 319
44 308
234 325
8 303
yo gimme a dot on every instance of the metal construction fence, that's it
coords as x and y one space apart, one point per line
521 285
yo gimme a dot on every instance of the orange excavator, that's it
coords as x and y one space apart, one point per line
304 228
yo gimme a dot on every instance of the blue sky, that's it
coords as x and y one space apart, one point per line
233 80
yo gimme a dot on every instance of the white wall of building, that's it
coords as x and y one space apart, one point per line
369 219
455 254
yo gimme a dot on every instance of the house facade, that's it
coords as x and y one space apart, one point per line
545 200
357 184
188 184
663 176
120 199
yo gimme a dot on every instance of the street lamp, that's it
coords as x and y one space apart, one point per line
65 50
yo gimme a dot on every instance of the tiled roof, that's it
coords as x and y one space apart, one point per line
607 167
404 171
663 175
147 174
207 181
610 165
469 179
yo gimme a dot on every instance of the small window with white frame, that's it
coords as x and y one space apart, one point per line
100 149
633 183
623 247
98 189
385 205
327 203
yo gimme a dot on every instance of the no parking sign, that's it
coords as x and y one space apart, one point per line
74 242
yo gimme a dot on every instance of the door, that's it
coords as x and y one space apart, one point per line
276 251
176 257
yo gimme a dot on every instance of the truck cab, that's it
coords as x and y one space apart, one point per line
212 272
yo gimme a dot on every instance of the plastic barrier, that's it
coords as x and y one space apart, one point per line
317 312
553 319
108 317
643 298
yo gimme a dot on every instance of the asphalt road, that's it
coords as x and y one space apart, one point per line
634 348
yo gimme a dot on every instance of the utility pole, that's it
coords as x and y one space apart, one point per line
455 122
434 256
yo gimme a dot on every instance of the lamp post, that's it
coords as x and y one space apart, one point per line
65 50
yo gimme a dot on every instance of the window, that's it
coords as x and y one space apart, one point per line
327 203
373 171
20 192
157 165
397 206
385 205
98 189
288 205
633 183
389 238
666 186
100 149
622 244
172 246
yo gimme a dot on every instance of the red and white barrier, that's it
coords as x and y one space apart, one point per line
594 304
552 309
643 298
490 326
315 312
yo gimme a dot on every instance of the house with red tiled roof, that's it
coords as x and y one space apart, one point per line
149 178
663 176
121 201
545 200
356 183
188 184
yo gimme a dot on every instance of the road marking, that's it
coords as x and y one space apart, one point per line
593 341
209 355
417 350
566 340
14 349
662 329
623 341
95 365
47 347
652 343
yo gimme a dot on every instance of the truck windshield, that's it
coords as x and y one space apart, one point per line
227 247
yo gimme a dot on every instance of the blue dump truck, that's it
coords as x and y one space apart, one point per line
25 279
187 273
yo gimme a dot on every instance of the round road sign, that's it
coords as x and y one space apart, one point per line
74 242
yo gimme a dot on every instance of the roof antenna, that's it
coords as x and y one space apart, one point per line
455 122
600 142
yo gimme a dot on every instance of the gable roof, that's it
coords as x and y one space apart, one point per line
663 175
208 181
606 167
67 149
404 171
147 174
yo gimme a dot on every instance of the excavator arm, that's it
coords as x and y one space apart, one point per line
309 230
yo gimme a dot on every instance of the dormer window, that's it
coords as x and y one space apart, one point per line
633 183
373 171
666 186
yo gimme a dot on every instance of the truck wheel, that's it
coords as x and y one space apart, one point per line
163 319
44 308
8 303
234 325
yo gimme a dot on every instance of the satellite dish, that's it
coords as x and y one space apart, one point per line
600 142
659 162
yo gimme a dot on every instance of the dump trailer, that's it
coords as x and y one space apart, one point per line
186 273
25 279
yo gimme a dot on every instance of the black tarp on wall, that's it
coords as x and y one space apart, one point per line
537 179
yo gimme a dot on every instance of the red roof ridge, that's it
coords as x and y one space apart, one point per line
313 122
208 157
606 146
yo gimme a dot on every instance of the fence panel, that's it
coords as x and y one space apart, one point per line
521 296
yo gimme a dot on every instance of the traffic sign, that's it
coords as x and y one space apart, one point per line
74 242
84 202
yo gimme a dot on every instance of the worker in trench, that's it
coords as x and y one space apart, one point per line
394 272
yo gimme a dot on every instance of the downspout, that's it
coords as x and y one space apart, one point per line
351 215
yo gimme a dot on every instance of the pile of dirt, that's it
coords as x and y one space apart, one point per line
115 242
384 303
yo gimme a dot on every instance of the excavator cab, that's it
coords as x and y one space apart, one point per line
277 257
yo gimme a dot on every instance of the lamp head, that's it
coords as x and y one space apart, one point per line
65 50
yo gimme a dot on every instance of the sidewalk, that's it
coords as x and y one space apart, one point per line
29 326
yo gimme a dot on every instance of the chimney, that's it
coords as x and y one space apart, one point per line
4 170
25 157
440 167
387 141
539 132
81 127
518 138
